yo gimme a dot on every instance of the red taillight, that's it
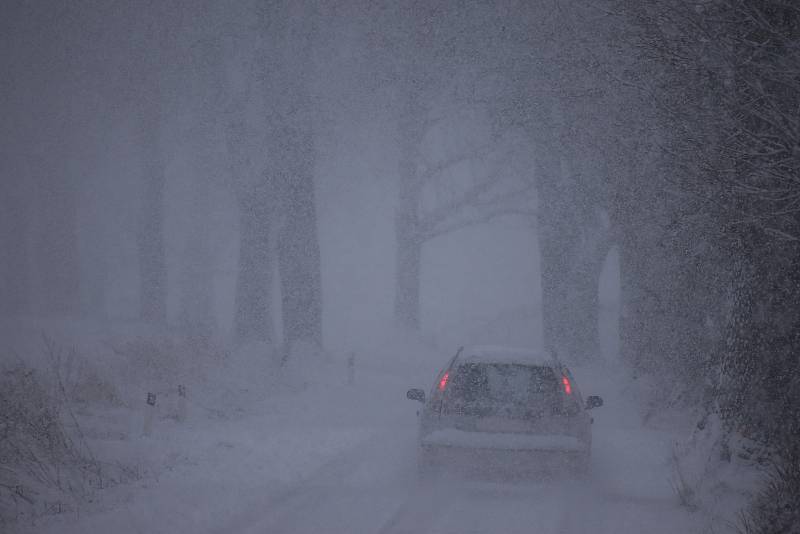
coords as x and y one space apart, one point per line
443 380
567 385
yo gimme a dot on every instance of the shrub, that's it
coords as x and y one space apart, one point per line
46 466
776 508
40 465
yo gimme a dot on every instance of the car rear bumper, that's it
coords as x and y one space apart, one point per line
501 462
452 438
507 454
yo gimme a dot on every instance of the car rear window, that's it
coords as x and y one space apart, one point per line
501 385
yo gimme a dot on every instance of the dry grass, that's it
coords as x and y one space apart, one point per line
687 496
46 464
776 509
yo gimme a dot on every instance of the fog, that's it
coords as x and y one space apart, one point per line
240 240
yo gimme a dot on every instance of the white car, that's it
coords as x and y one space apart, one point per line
498 406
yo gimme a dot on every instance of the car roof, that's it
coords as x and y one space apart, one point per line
508 355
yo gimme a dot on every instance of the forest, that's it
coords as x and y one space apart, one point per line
263 185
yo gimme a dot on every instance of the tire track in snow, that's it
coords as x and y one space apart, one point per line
282 502
468 506
337 481
417 511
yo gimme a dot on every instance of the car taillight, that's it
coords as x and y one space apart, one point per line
443 380
567 385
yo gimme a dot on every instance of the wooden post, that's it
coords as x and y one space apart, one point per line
181 403
351 369
150 414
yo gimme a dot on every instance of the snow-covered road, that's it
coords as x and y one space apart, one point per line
373 488
345 462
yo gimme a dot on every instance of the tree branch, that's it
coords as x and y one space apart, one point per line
512 202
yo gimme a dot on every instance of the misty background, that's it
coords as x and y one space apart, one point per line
291 183
160 155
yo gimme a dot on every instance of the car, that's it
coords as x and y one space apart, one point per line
501 407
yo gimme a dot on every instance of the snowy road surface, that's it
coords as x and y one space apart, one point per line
338 464
373 489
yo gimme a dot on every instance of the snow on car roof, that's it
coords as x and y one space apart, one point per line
500 354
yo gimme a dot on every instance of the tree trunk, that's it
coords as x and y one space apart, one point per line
584 301
555 314
253 319
196 302
14 225
557 238
93 250
571 257
57 245
570 298
298 249
407 231
407 276
152 260
632 326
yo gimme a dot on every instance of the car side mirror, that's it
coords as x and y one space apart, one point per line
416 394
593 401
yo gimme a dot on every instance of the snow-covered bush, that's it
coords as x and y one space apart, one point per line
80 380
149 359
46 463
42 468
684 489
776 509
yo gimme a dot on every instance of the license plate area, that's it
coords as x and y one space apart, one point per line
501 425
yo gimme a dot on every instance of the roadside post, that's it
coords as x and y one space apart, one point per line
181 403
351 369
150 413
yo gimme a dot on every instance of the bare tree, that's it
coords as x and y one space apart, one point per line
299 258
56 238
196 278
440 57
253 304
469 201
152 260
14 233
272 165
292 164
715 279
548 86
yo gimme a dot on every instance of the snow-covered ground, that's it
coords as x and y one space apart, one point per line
339 458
